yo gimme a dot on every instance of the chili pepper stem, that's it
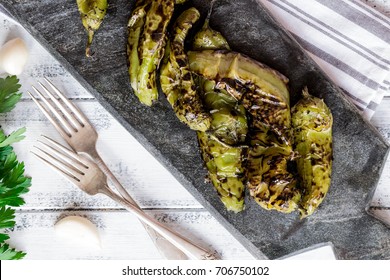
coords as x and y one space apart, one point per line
89 43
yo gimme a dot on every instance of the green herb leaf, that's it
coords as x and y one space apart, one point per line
13 183
3 237
7 253
7 216
14 137
9 93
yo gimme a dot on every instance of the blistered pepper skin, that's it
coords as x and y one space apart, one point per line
226 171
176 79
253 83
209 39
312 123
270 183
135 29
146 44
264 94
92 13
228 118
221 147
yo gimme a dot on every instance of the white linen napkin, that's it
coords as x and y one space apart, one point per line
349 40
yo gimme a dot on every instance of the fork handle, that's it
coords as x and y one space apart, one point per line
166 249
99 161
193 251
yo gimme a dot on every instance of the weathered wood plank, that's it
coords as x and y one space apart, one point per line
122 236
150 183
40 63
152 187
381 118
381 197
380 204
381 213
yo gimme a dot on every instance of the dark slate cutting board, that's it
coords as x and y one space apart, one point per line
359 151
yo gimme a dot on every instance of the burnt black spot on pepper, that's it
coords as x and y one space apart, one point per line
223 180
157 36
187 76
181 62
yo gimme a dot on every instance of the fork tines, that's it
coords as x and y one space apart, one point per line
69 118
63 160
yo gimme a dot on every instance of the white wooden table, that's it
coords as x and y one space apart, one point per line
51 197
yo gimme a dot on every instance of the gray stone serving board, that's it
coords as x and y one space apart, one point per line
359 151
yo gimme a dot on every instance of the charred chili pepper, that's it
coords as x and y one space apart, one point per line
92 14
208 38
226 172
269 181
228 117
264 94
221 148
265 87
147 36
176 79
135 28
312 122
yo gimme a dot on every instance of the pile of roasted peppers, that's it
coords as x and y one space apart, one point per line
248 135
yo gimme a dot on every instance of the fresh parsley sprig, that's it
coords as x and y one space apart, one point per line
9 93
13 183
7 253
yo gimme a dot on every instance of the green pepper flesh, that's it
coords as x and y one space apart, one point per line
312 123
92 13
177 81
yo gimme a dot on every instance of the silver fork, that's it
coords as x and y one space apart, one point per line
81 136
87 175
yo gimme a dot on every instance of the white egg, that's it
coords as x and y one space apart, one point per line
78 231
13 56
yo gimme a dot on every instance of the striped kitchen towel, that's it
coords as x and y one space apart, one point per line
349 40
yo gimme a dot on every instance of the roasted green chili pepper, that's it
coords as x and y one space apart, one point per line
264 94
221 146
269 181
259 86
208 38
146 54
228 117
176 80
135 28
221 149
226 172
233 65
312 122
92 14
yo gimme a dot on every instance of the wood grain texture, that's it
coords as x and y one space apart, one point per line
175 146
52 197
122 235
151 185
381 199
